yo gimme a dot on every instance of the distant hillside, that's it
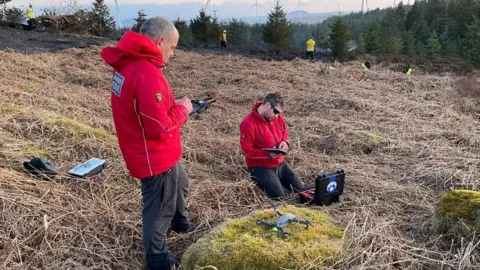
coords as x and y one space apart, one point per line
187 11
295 16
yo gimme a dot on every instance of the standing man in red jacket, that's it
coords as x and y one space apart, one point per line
148 120
265 127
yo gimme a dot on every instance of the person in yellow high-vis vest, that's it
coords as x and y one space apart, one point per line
31 17
223 39
407 69
310 48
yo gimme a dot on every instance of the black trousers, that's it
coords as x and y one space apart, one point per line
310 55
32 24
276 182
223 44
164 204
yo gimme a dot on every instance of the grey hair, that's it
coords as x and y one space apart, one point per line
156 27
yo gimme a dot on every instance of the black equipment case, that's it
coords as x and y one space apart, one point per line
328 188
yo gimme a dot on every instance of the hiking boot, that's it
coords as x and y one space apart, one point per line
183 227
162 262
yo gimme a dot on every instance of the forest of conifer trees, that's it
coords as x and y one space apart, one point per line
428 28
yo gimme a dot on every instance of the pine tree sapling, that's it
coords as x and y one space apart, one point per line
278 29
100 22
472 40
433 47
362 43
237 32
140 20
205 28
373 37
340 36
182 28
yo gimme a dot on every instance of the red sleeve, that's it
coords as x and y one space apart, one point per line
153 105
247 142
285 137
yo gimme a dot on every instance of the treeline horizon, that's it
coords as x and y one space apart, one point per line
429 28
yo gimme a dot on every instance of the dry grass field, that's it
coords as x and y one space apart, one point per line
402 142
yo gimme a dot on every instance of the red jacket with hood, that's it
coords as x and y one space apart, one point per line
146 118
257 133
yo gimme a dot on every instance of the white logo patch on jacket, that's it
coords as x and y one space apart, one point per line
117 83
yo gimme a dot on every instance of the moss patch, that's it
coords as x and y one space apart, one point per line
77 127
11 108
370 136
241 244
53 120
458 209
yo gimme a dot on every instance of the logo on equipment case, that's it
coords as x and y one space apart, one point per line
332 186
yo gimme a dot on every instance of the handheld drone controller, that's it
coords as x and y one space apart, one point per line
200 105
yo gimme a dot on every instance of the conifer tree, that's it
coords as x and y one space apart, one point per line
182 28
433 46
362 43
140 20
204 28
100 22
278 29
473 42
237 31
340 36
373 37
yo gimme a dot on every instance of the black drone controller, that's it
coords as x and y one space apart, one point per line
200 105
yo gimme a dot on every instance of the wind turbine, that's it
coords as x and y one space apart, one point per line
208 4
118 14
256 5
214 10
365 3
299 7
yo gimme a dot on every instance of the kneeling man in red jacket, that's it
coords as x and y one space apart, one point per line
265 127
148 120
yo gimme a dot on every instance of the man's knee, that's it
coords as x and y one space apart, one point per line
268 181
289 179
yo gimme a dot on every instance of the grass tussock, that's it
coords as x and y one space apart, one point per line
403 141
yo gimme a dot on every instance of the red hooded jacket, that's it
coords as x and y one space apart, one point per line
146 118
256 133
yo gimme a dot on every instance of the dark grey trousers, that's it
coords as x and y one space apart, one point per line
164 204
276 181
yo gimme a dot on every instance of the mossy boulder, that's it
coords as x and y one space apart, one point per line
241 244
458 211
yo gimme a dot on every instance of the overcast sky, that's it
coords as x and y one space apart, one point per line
311 5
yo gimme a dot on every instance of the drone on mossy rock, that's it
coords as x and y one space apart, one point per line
284 220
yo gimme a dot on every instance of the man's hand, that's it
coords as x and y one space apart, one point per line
187 103
273 155
283 146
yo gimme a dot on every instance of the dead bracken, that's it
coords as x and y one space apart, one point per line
387 131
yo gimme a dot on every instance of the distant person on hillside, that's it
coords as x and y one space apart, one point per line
32 23
366 65
148 123
310 48
407 69
223 39
264 127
